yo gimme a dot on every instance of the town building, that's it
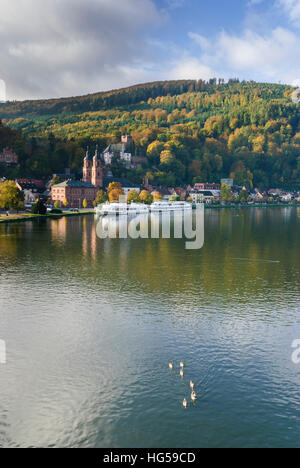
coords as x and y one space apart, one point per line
120 152
8 157
204 196
207 186
74 192
126 185
32 189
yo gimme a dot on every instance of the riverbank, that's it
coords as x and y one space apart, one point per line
256 205
17 218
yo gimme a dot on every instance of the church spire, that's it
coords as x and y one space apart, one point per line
87 154
96 152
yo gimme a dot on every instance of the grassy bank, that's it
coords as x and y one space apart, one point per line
16 218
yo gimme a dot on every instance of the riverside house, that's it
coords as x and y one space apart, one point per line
74 191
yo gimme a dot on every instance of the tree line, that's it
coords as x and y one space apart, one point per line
190 131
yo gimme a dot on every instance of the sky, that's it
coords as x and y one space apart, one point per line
58 48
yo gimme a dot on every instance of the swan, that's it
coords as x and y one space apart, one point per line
193 396
171 366
192 385
185 403
182 365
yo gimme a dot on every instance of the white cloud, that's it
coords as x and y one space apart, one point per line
274 56
200 40
175 3
65 47
292 8
189 68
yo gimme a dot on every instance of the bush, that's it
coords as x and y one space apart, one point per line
56 211
39 208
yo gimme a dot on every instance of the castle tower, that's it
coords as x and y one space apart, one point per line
87 167
97 172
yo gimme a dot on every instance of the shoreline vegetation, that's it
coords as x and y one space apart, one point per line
15 218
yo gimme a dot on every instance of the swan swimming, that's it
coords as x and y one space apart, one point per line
171 366
182 365
193 396
185 403
192 385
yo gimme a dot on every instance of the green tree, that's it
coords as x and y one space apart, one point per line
39 207
244 196
174 198
55 181
57 205
11 198
226 193
101 197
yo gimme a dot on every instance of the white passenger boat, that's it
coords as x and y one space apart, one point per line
121 209
161 206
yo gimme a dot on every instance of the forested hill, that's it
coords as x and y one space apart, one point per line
189 130
104 100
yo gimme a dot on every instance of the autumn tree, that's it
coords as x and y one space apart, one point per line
154 150
146 197
133 197
167 157
11 198
157 196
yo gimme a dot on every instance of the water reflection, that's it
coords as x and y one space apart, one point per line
91 324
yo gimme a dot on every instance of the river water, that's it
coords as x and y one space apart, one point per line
90 326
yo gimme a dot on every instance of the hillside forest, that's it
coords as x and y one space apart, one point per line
189 131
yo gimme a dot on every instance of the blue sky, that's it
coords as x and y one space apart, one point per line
59 48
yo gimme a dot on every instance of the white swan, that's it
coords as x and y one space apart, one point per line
185 403
171 366
193 396
192 385
182 365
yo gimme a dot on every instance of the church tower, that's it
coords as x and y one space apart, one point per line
87 167
97 172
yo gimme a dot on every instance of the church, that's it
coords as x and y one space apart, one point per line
75 192
92 169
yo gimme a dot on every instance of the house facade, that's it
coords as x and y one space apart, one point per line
74 191
32 189
207 186
8 157
118 152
